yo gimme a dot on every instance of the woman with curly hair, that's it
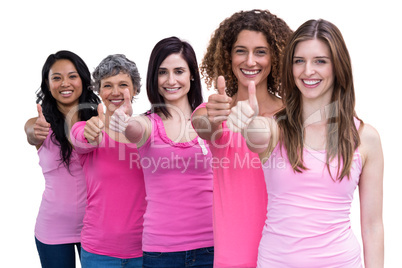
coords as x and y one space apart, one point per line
245 47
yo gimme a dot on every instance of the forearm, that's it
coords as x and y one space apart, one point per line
206 129
134 131
78 140
373 245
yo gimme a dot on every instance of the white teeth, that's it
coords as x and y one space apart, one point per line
250 72
311 82
171 89
66 92
116 101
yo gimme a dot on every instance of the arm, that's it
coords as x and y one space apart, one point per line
207 121
371 197
137 130
78 139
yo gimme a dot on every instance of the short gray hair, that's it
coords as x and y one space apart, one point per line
114 64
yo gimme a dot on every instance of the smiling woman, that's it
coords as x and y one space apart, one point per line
115 192
325 160
65 84
178 219
174 79
313 70
112 90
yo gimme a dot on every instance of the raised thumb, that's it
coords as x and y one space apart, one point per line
252 97
221 85
128 109
101 114
40 113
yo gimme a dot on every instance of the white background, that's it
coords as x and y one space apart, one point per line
31 30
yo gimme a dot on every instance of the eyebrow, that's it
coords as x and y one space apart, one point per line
73 72
164 68
318 57
260 47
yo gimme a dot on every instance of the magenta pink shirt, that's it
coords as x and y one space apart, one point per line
178 181
240 201
308 222
116 196
63 203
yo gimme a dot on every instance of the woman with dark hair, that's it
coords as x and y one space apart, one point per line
315 153
245 47
64 98
112 231
177 174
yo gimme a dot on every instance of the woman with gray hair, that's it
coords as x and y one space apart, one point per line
112 232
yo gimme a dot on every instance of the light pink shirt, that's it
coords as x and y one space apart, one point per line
308 222
116 196
240 201
178 180
63 203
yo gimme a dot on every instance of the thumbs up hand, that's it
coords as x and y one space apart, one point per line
120 118
41 126
244 112
218 106
94 126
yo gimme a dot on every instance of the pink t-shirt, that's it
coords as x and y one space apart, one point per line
178 180
63 203
116 196
308 221
240 201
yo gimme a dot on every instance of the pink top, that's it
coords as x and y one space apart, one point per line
178 181
63 203
240 201
116 196
308 221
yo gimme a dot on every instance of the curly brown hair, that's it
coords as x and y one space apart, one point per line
217 60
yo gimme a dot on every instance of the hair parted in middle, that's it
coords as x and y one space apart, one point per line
342 135
217 59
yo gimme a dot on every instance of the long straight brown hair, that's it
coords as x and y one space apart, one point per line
342 134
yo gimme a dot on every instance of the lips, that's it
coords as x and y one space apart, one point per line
171 90
250 72
66 93
311 82
116 102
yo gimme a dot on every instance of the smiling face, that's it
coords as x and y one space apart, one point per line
112 90
251 58
65 84
174 79
313 70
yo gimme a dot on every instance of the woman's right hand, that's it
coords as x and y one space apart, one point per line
218 106
94 126
41 127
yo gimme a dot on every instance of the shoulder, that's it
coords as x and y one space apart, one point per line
370 142
368 134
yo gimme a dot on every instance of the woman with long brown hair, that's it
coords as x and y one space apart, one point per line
315 153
